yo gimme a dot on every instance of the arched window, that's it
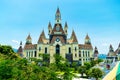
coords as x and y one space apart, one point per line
45 50
39 48
75 49
35 54
57 49
69 50
83 53
75 55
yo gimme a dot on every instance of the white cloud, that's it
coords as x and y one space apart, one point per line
15 41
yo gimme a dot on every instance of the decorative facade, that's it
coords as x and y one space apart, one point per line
59 43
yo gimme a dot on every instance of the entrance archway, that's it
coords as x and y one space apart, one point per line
57 49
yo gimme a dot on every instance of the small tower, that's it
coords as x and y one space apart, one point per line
96 53
66 28
20 50
49 28
111 48
111 51
58 16
29 40
87 40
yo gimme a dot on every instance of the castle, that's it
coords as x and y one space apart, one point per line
59 43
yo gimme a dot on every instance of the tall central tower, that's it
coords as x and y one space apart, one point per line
58 16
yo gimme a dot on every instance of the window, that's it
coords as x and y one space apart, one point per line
46 50
35 54
79 53
66 31
75 49
39 48
75 55
69 50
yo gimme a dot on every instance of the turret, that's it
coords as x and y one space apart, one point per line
58 16
87 40
96 53
66 28
20 50
111 48
49 28
29 40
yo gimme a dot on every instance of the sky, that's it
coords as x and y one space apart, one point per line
99 18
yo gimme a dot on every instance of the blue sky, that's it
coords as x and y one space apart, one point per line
99 18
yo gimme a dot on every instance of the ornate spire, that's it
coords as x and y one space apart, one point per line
29 37
58 16
87 39
49 25
73 36
58 11
29 40
66 26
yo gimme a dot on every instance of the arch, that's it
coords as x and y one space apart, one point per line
57 49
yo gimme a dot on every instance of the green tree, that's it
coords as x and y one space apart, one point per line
96 73
82 70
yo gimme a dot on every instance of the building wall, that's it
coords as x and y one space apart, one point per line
81 55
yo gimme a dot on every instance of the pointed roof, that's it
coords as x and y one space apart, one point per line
20 43
111 46
20 50
29 37
66 26
73 36
58 11
96 50
41 37
118 49
87 37
111 49
49 25
60 29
